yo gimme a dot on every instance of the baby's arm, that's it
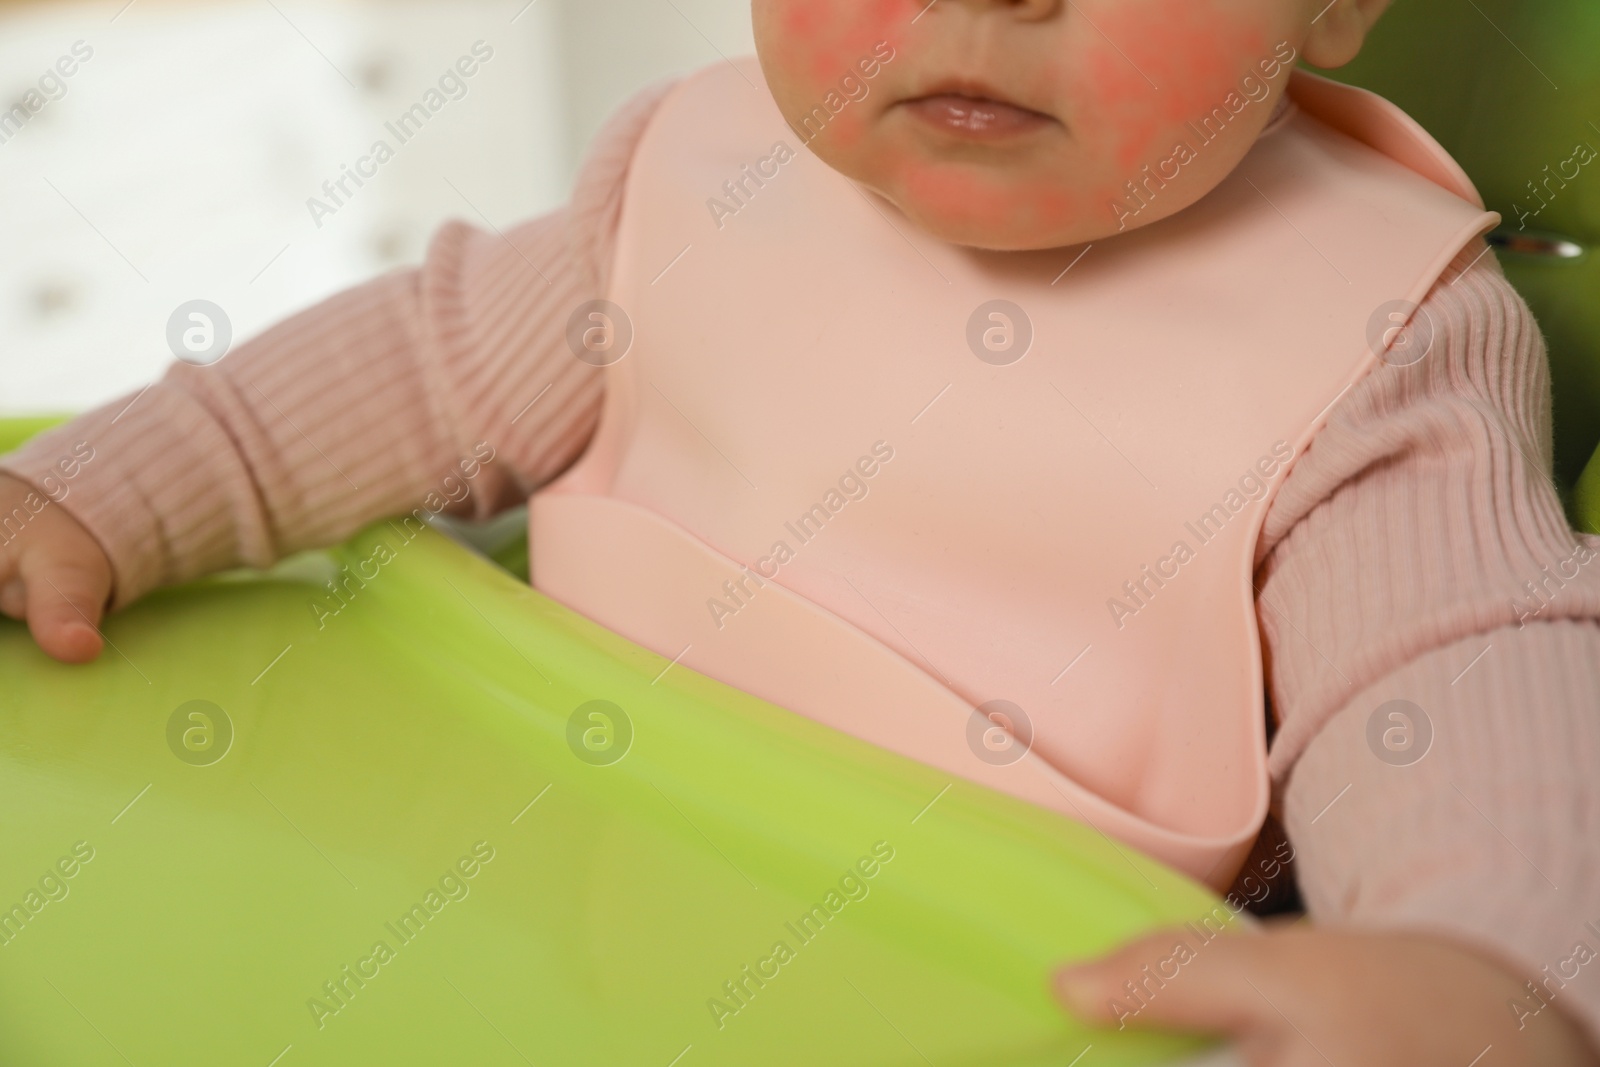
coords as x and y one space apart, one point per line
1455 882
358 408
1396 561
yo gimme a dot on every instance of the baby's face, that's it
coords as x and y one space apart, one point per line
1013 124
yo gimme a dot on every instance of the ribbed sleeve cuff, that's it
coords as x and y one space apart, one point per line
141 490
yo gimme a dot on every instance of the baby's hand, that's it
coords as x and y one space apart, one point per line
1306 997
52 573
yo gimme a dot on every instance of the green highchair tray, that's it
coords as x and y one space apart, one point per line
388 804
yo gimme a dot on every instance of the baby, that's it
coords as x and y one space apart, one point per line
1072 367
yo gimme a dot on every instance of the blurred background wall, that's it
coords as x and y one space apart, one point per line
155 152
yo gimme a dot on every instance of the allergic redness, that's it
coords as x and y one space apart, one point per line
823 46
1131 77
1193 56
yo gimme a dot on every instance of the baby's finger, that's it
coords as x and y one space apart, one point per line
64 604
13 597
1173 979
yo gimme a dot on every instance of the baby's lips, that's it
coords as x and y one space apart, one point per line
976 117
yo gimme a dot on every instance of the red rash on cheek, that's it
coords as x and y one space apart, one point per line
800 20
1194 55
823 41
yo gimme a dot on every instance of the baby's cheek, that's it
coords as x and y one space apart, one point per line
823 40
1153 67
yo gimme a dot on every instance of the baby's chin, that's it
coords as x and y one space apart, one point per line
1057 202
1005 237
993 212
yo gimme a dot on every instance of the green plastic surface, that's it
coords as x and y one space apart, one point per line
1588 496
348 760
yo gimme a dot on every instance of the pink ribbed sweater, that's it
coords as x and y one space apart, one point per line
1395 563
